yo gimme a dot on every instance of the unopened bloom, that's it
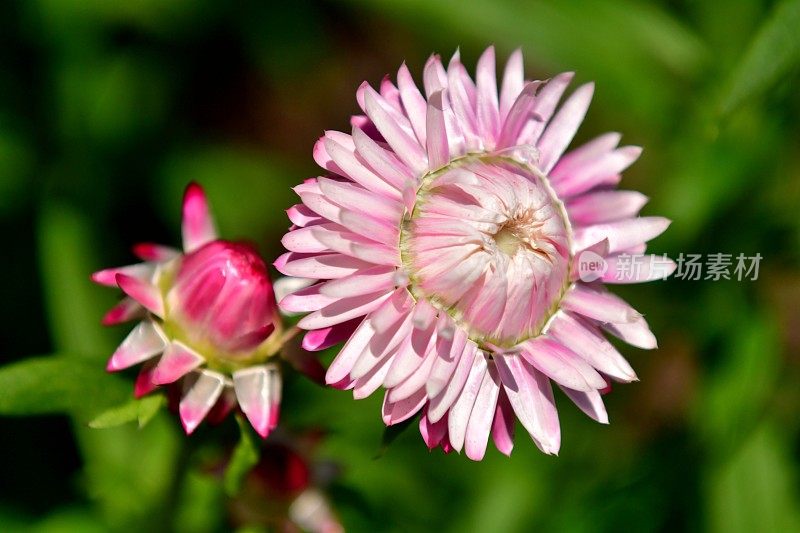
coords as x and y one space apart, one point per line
208 318
444 240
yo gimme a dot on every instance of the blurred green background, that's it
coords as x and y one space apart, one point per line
108 109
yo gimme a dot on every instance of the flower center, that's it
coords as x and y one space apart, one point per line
488 242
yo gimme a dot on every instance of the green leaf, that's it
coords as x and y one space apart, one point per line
244 458
772 53
755 489
58 384
737 394
133 474
74 304
143 410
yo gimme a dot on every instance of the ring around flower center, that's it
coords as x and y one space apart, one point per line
488 242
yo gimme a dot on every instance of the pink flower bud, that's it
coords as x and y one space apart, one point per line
223 296
209 320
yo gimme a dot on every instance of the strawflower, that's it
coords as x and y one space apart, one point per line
208 322
443 245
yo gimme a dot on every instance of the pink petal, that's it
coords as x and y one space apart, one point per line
432 432
252 339
306 299
449 354
458 416
253 388
582 156
584 340
373 279
605 206
387 338
108 277
354 197
201 391
198 226
590 402
394 413
531 397
286 285
519 114
177 361
562 128
348 355
416 380
636 333
409 151
411 355
597 172
622 234
127 309
319 266
302 240
488 109
513 81
143 292
368 383
441 403
344 310
144 380
357 246
347 161
320 339
147 251
561 364
546 103
413 102
503 425
480 420
598 305
143 342
385 164
434 77
302 216
436 134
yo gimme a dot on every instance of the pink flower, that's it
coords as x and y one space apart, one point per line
209 319
445 239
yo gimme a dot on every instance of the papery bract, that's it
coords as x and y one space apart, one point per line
209 322
442 245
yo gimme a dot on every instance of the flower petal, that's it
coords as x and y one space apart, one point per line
531 397
394 413
198 225
584 340
143 342
254 392
482 416
200 393
177 361
503 425
562 128
458 416
590 402
143 292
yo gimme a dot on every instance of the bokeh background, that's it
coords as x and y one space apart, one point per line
108 109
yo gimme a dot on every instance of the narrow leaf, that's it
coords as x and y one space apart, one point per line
141 410
244 458
771 54
58 384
